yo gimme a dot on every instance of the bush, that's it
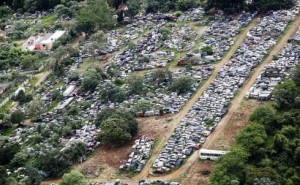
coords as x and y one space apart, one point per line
17 117
74 178
208 50
117 127
182 84
114 131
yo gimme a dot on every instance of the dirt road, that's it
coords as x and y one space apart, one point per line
42 78
146 171
236 102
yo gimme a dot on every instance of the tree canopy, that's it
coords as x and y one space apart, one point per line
269 148
117 127
74 178
95 15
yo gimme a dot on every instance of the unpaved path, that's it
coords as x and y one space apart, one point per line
42 78
145 174
187 107
236 102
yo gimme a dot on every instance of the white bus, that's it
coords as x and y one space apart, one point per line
206 154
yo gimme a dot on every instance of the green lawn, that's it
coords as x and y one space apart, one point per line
48 20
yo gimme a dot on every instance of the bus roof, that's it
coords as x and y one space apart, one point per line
213 151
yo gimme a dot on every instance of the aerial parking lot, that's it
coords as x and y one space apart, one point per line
133 99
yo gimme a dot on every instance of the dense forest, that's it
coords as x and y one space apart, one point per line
228 6
268 150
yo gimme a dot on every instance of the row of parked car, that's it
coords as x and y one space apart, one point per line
141 151
278 70
208 111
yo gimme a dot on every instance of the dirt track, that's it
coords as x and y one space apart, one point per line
221 128
187 107
236 102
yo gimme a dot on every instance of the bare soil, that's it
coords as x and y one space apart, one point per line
106 160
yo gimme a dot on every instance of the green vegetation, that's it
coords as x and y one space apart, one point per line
268 150
182 84
74 178
94 16
166 5
33 5
22 98
136 84
234 6
208 50
117 127
12 56
47 21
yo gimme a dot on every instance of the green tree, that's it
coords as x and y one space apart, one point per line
297 155
113 93
36 106
161 75
182 84
129 118
296 76
104 115
280 143
114 131
228 6
33 176
99 37
74 110
266 116
208 50
73 75
142 105
7 153
18 4
3 175
266 5
19 160
77 151
4 11
135 84
17 117
61 10
74 178
54 163
165 32
185 5
258 173
91 80
253 137
285 93
230 167
29 62
6 121
95 15
134 7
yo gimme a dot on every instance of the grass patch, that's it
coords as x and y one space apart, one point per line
9 131
6 107
48 20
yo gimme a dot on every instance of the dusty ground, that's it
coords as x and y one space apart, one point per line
105 161
198 174
191 102
238 121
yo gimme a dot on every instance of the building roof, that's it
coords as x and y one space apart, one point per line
53 37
